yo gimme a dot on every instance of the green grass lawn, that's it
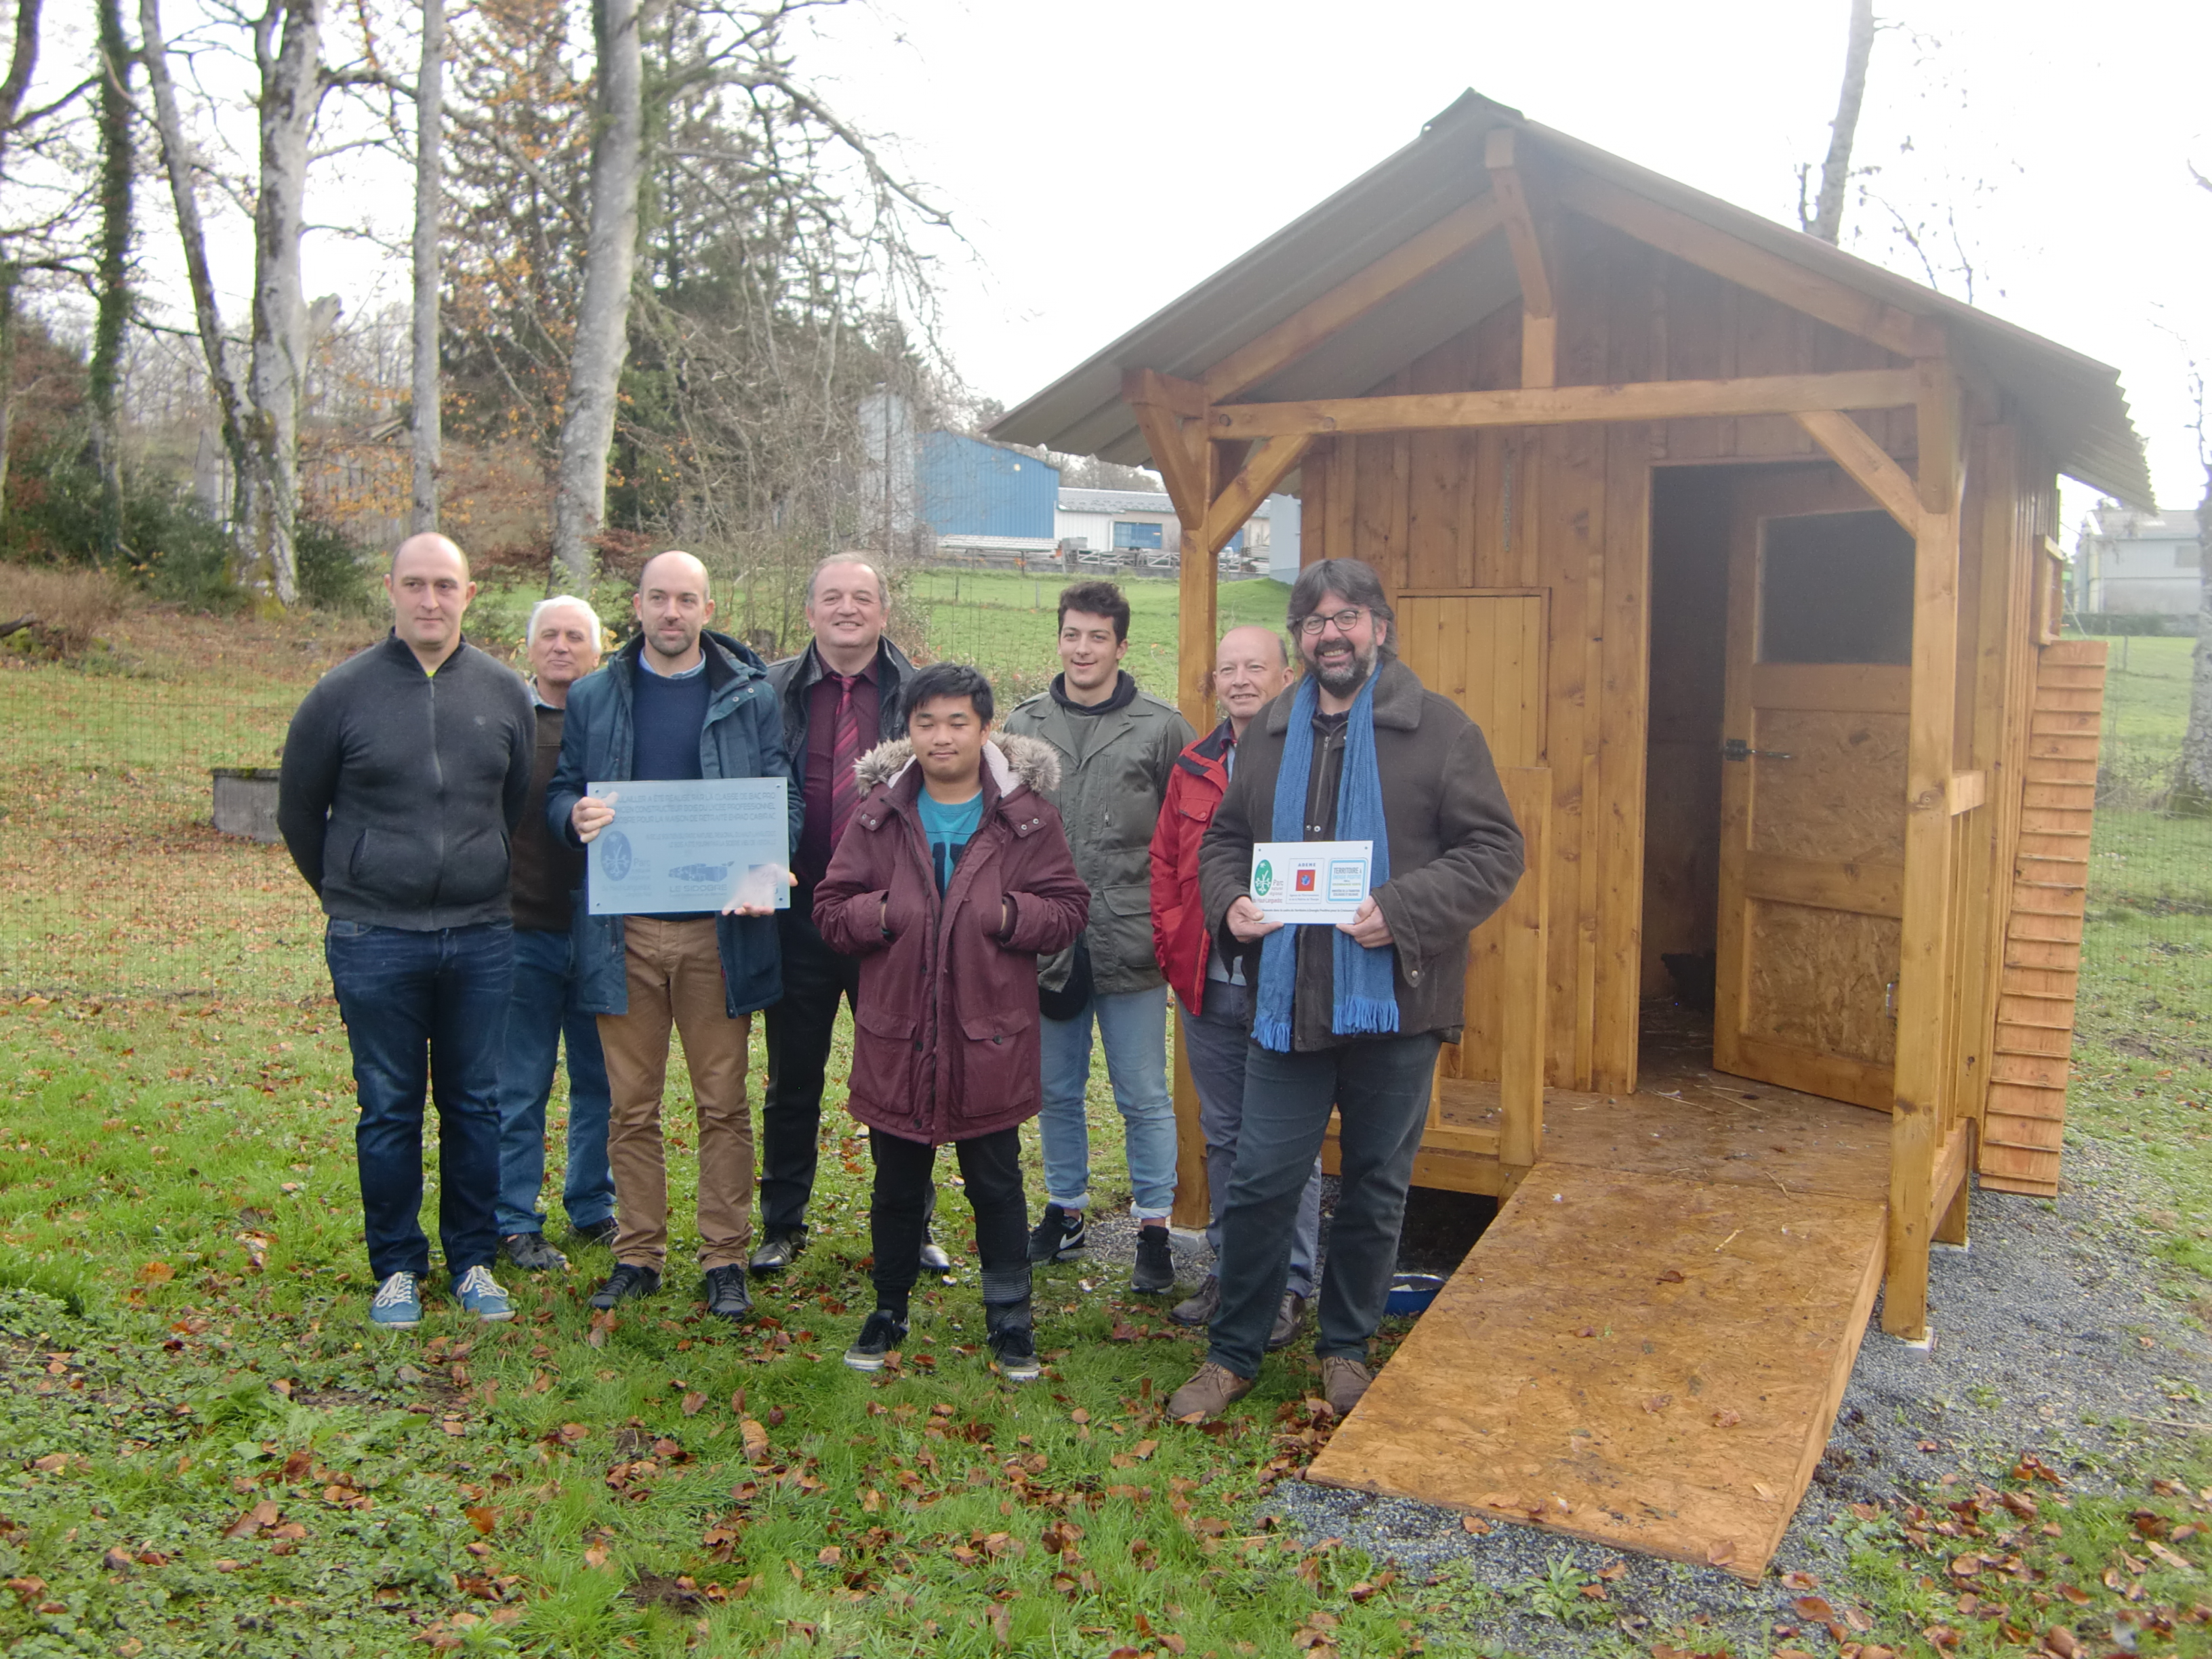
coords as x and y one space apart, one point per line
205 1451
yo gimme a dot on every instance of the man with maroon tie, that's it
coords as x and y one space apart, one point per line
840 698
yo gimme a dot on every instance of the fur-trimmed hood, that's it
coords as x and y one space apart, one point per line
1012 758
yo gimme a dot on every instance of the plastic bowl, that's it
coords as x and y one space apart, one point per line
1411 1294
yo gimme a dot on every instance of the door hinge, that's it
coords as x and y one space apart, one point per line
1736 748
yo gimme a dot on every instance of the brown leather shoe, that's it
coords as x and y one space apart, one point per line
1343 1381
1209 1394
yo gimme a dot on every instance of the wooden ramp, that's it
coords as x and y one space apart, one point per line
1651 1360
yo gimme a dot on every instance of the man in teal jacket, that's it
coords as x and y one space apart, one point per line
678 703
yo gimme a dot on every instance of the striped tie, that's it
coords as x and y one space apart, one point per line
844 753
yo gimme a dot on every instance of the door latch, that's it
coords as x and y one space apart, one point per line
1736 748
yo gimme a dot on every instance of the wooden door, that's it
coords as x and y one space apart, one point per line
1812 875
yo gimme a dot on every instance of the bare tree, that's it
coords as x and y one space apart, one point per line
602 338
428 423
1826 218
179 163
112 270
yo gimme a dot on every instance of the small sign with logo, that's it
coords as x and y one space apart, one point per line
1299 881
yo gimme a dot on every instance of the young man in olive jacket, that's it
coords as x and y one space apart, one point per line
1117 746
1349 1015
952 878
404 773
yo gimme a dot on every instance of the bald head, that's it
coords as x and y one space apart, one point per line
429 588
1251 666
673 609
430 543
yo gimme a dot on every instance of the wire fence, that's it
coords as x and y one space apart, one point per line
115 880
2151 851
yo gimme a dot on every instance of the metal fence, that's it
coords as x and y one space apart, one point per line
2151 852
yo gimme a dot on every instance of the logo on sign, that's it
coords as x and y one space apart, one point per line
614 855
1306 874
1263 878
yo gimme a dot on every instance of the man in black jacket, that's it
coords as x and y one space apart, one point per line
405 771
840 698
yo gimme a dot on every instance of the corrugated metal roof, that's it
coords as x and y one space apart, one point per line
2075 403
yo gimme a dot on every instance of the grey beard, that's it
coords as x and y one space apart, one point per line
1342 683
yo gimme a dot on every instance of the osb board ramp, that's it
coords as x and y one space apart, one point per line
1648 1362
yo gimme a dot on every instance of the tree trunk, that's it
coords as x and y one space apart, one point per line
602 342
2193 787
291 87
111 272
177 161
1827 222
429 431
20 67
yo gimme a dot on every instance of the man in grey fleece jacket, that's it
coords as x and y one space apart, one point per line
405 771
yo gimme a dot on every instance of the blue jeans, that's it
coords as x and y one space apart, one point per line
1215 1040
1380 1088
540 1012
1132 1027
424 1013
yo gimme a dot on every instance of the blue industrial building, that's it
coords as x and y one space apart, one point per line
965 487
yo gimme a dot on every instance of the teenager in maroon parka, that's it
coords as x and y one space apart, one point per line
952 877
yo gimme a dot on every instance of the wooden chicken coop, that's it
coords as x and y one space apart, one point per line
1740 550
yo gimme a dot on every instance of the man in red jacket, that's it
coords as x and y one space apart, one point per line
952 877
1251 667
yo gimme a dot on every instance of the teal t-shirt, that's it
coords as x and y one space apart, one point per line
948 828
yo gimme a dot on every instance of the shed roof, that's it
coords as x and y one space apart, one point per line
2075 403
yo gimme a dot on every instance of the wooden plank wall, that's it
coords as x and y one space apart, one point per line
1567 510
2024 1116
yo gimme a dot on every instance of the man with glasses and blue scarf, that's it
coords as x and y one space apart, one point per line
1349 1016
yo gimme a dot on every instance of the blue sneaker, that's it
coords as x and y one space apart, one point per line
398 1304
479 1292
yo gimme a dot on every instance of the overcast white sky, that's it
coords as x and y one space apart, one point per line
1102 160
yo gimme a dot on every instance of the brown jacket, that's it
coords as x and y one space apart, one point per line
944 1040
545 871
1455 850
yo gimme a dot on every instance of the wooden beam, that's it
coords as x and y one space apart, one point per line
1173 421
1835 303
1527 229
1420 256
1922 1079
1852 449
1252 485
1651 400
1939 423
1966 791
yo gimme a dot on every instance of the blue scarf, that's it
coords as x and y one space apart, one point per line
1366 995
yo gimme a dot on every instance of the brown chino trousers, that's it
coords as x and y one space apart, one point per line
674 974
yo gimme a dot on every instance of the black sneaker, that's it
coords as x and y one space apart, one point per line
1016 1352
934 1258
1155 1271
600 1232
778 1249
627 1280
726 1294
1058 1236
883 1331
530 1253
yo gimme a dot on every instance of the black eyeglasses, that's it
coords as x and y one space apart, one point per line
1345 620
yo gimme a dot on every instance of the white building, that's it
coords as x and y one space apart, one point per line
1141 527
2140 562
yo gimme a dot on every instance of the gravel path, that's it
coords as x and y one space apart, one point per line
2051 1338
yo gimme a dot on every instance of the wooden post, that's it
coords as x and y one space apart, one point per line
1922 1065
1523 945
